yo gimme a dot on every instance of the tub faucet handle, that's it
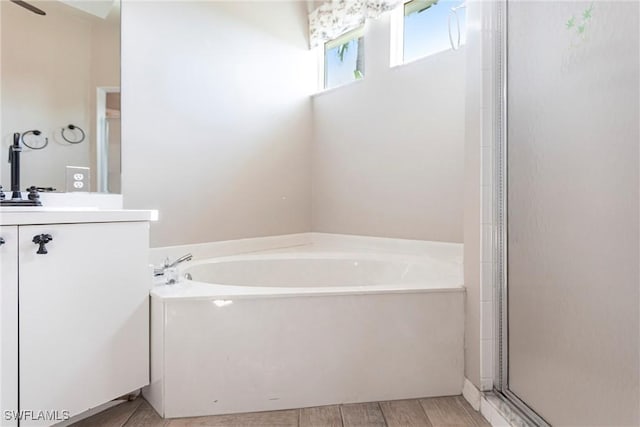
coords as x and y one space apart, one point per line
159 271
166 264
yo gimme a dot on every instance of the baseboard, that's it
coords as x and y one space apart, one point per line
471 394
486 404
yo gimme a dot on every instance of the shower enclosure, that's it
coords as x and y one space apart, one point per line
567 163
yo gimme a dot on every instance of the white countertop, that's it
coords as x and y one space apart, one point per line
19 215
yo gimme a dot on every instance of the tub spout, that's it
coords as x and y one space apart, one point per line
183 258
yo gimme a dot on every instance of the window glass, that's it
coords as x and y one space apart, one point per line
427 29
344 59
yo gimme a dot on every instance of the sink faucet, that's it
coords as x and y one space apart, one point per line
16 196
14 159
159 271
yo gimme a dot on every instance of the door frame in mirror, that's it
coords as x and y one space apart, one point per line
102 142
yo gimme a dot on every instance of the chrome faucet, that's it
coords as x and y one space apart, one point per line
159 271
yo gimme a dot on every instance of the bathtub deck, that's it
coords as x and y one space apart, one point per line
439 411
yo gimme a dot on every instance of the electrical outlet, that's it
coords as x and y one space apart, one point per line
77 178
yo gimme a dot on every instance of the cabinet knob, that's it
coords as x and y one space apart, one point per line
2 242
42 240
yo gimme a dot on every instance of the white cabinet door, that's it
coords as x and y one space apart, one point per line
8 325
84 316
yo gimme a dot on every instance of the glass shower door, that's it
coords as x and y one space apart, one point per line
572 217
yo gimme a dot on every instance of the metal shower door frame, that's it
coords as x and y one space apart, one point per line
500 245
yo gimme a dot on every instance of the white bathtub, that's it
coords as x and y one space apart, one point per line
306 327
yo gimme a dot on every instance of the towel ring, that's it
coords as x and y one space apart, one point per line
31 144
72 128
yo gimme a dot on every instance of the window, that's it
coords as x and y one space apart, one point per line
344 59
431 26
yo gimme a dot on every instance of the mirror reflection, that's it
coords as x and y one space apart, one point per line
60 89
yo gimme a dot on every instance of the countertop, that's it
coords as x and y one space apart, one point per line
18 215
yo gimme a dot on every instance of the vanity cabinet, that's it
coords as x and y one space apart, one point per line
79 315
8 324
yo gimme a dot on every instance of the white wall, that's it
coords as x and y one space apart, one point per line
217 118
389 150
220 133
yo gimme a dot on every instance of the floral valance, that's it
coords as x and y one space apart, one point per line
336 17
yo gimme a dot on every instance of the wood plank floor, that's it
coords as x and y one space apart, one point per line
451 411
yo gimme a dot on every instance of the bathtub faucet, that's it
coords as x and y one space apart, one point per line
159 271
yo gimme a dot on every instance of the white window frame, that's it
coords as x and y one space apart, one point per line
396 23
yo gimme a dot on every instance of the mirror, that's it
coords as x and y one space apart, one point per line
61 69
